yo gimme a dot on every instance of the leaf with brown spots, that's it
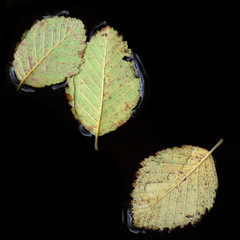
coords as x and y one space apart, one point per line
50 51
174 188
105 91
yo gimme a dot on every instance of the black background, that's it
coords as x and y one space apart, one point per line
54 183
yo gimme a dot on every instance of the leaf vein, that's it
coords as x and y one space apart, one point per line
81 93
87 61
134 86
45 55
86 112
114 66
95 58
118 86
110 116
88 87
112 79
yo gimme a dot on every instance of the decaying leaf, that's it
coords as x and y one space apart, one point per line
174 188
50 51
105 91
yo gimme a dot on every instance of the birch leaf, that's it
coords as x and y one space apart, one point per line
105 91
50 51
174 188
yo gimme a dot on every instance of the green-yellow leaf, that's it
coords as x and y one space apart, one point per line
50 51
174 188
105 91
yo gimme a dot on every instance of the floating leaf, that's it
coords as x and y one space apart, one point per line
50 51
105 91
174 188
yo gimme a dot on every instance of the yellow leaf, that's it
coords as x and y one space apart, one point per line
106 90
50 51
174 188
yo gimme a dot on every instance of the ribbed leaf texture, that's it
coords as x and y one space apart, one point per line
50 51
105 91
174 188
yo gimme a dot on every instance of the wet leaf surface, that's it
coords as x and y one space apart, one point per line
50 51
174 188
105 91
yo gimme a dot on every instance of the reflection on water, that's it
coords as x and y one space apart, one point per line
28 89
64 13
141 73
127 219
84 131
15 81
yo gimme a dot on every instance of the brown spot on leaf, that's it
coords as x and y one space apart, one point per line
105 94
80 53
90 129
127 107
34 79
69 97
120 123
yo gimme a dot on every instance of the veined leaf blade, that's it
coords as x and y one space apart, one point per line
174 188
106 88
50 51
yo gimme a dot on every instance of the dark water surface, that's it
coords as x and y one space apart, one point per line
54 183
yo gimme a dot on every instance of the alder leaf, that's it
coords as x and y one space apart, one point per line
50 51
105 91
174 188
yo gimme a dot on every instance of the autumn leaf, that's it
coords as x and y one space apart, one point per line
174 188
105 91
50 51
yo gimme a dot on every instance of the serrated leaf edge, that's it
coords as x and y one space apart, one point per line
22 81
187 175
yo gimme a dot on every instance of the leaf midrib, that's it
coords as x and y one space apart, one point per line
102 93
